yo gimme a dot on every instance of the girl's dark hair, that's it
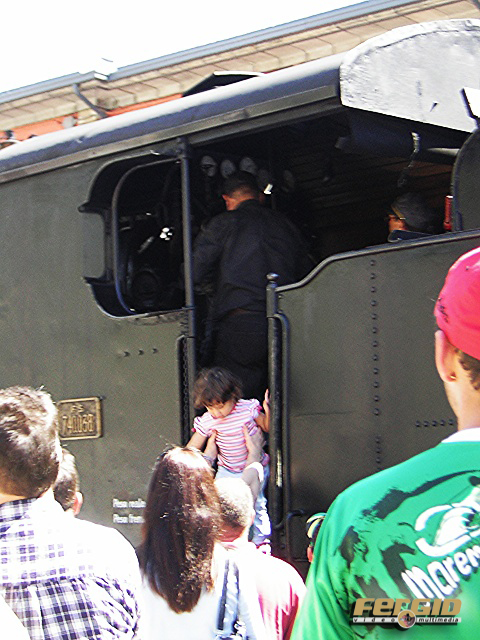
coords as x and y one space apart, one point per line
216 386
182 523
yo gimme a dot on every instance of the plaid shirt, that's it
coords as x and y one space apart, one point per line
66 578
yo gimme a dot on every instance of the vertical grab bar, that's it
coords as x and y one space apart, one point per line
183 385
279 442
190 331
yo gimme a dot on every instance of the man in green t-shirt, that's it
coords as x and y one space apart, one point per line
412 532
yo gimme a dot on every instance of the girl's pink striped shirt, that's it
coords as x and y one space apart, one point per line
232 450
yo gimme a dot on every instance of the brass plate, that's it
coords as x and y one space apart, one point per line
79 418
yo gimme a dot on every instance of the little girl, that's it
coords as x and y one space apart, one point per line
219 391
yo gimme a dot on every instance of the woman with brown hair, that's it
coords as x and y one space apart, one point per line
183 566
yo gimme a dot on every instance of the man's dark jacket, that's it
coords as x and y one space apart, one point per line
237 250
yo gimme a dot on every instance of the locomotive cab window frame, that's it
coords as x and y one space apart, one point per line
133 244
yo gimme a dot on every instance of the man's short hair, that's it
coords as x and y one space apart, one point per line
29 445
236 503
242 181
414 211
67 483
472 366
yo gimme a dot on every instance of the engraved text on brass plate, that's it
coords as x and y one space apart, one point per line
79 418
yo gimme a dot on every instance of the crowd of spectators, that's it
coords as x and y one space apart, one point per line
64 577
196 575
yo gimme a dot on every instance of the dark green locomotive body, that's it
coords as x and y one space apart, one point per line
96 296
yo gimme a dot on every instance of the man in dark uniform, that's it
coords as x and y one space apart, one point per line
234 253
410 217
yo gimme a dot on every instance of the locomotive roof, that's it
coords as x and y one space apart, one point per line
397 74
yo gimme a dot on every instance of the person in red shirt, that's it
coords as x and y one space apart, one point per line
280 587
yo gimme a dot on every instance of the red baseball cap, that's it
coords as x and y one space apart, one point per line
457 309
